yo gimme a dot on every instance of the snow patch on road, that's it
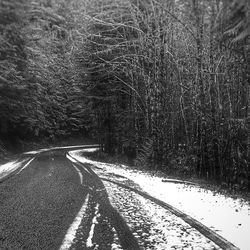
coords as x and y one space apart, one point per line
71 233
227 216
89 242
79 172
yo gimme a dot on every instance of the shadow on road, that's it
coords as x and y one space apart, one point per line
98 191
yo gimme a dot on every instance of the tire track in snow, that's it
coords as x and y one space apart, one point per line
80 174
207 232
89 242
71 233
26 165
98 190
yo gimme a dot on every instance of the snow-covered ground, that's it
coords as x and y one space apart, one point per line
55 148
229 217
10 167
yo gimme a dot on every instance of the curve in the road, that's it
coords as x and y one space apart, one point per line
39 204
206 231
98 191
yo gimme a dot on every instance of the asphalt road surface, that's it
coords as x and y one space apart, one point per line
56 202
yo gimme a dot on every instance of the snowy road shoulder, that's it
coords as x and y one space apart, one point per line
229 217
9 167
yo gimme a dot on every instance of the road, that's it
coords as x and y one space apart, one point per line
56 202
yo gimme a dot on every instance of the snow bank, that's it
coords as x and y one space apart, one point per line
227 216
56 148
10 167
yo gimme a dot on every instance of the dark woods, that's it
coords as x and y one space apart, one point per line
164 82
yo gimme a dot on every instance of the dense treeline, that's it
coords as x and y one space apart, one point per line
177 77
165 82
38 79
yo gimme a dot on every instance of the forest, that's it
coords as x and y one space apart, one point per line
164 82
